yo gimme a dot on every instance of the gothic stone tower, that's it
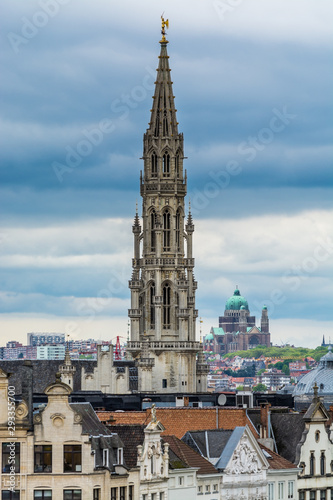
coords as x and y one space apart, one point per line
163 314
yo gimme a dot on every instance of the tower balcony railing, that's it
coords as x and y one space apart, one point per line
134 313
170 186
164 261
160 345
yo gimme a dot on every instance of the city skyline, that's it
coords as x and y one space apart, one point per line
252 89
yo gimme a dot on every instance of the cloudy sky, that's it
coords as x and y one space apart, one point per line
252 81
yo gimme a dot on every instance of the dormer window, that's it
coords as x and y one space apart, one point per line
120 456
105 457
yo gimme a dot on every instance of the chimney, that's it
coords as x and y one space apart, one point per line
265 426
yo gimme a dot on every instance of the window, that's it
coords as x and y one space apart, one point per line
290 489
166 306
152 231
312 494
43 458
301 495
10 457
10 495
322 494
154 165
317 436
164 383
122 493
199 490
332 494
177 166
105 457
153 496
162 495
152 305
270 491
114 495
131 492
97 494
178 230
166 231
322 463
43 494
280 490
207 488
181 480
166 165
72 495
72 460
120 455
312 464
215 488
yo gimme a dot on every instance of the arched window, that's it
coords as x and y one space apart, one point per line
166 165
151 305
154 165
166 306
152 231
166 231
178 230
312 464
322 463
177 166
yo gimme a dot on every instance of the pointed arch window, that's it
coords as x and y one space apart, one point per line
151 305
165 125
166 165
177 166
178 231
166 306
166 231
152 231
154 165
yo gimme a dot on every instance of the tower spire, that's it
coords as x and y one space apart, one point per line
163 121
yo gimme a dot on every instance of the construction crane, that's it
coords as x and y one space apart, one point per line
117 351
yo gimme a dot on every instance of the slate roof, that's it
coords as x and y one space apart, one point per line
215 440
90 422
188 456
227 451
287 430
131 436
44 372
276 461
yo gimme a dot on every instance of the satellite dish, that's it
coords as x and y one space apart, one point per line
222 399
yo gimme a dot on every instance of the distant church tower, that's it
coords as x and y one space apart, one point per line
163 315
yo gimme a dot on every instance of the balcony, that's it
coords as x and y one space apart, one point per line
186 345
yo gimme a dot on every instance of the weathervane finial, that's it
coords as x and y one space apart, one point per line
165 23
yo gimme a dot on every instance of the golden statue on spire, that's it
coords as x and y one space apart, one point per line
165 23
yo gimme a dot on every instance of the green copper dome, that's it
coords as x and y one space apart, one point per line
209 337
236 302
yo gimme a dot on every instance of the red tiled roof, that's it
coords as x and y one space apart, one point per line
177 421
276 461
190 457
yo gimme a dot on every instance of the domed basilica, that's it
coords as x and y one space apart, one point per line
237 328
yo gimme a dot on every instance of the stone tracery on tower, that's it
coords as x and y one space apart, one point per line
163 315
